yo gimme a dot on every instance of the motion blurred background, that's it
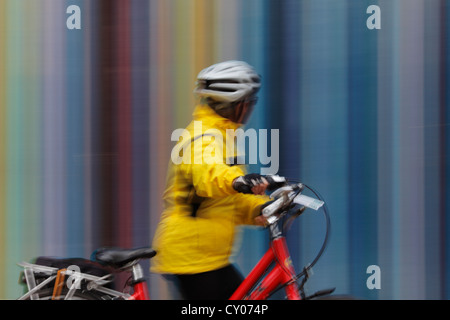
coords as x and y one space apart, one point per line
86 117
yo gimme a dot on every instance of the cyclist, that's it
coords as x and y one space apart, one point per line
203 202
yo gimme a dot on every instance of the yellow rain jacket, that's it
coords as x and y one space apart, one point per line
201 208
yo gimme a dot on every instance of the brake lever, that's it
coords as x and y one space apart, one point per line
284 200
270 210
286 189
277 193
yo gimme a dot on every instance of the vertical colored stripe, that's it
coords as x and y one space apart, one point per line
106 128
3 169
432 160
248 37
140 122
54 129
184 58
252 42
124 122
411 152
32 130
446 149
14 141
387 159
444 293
324 138
362 139
228 28
75 128
203 19
90 100
161 96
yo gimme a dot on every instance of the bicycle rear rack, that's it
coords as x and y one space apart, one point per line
93 283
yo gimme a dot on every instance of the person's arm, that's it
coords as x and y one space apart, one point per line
248 208
212 177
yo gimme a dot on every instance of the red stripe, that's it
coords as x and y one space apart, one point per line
104 144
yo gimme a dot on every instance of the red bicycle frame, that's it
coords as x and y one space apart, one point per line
282 273
140 292
140 289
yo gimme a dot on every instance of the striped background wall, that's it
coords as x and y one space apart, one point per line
86 117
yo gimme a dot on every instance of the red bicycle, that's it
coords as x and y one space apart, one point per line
275 269
77 278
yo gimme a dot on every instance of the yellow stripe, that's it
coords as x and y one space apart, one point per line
204 31
184 60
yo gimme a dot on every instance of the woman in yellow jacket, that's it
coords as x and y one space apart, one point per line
205 196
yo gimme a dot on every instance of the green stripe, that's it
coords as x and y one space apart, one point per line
2 148
14 143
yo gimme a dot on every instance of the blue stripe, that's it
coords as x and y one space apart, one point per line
433 169
323 132
74 124
251 243
140 114
290 113
446 154
388 144
362 132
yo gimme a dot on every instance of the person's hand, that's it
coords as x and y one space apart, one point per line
261 187
261 221
251 183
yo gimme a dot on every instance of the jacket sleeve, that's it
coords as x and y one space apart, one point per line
248 206
211 176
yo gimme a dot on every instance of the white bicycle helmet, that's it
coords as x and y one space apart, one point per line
228 81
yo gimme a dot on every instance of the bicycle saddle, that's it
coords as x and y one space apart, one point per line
118 258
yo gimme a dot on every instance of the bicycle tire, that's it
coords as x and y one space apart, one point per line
47 294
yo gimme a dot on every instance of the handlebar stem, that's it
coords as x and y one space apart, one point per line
275 231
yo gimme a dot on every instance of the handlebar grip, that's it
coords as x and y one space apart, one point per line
275 181
245 183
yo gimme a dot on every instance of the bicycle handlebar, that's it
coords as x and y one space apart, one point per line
284 196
